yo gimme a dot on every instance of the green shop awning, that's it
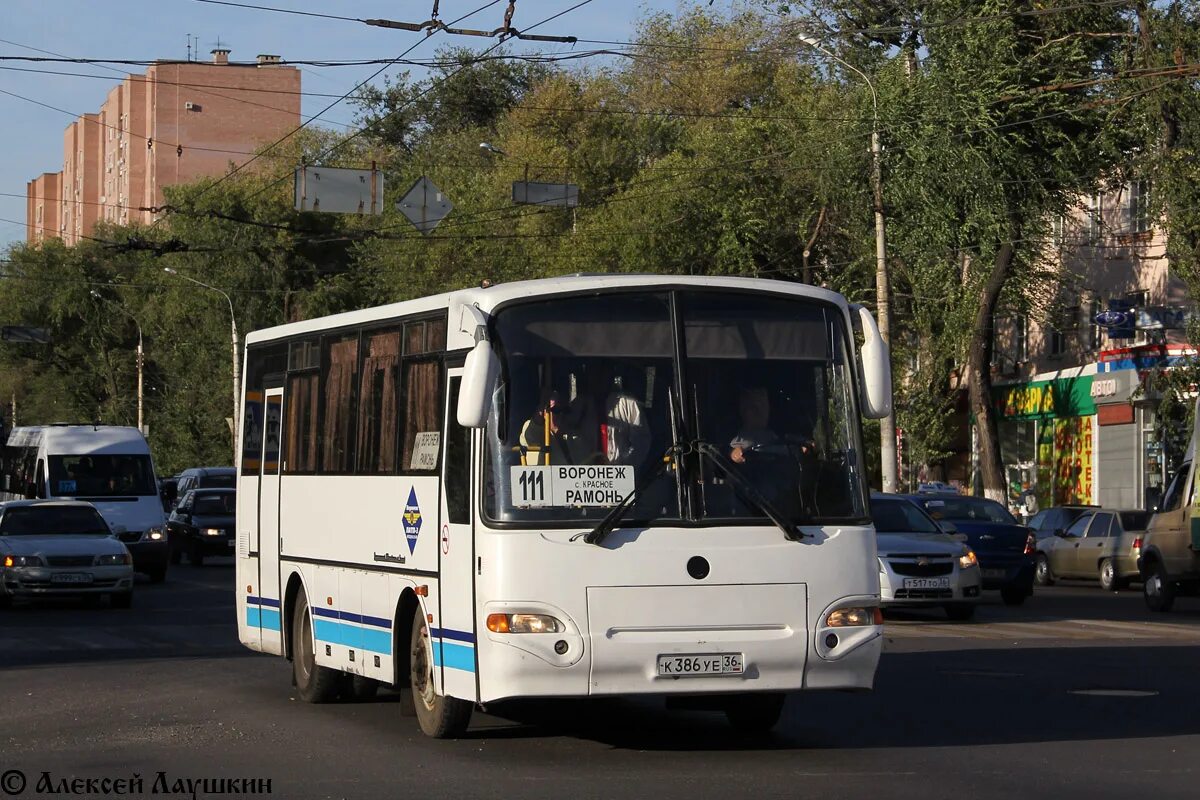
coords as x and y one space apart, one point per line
1062 397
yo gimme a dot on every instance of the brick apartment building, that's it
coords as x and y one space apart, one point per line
178 122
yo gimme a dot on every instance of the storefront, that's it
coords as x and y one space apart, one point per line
1047 441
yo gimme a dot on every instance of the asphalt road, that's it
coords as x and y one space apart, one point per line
1079 693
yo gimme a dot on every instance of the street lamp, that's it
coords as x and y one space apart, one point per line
140 357
233 337
887 425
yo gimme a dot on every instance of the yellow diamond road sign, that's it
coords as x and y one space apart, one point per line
425 205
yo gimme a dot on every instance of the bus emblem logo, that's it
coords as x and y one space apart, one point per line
412 519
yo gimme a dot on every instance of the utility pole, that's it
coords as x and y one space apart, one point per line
883 306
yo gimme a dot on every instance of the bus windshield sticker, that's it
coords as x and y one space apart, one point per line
571 486
66 487
425 450
412 519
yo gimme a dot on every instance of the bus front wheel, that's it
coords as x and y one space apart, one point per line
314 684
440 717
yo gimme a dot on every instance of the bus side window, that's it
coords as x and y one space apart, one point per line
40 480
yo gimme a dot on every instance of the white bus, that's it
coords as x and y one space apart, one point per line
109 466
572 487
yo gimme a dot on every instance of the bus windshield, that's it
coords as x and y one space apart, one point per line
607 394
97 475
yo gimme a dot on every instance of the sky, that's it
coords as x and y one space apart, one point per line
31 135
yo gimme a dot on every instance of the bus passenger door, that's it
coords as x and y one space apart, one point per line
454 630
267 535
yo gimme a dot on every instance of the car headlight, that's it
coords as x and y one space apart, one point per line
22 561
113 560
523 623
854 617
155 534
213 532
968 559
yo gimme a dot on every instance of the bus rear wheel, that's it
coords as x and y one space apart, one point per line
754 713
439 716
314 684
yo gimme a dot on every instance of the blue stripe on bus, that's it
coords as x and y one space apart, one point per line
346 616
351 636
454 656
447 633
262 618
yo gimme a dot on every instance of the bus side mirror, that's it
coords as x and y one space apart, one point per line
480 371
875 369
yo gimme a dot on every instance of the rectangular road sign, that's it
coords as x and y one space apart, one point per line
23 333
545 194
339 191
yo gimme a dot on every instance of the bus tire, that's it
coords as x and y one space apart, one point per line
314 683
440 717
754 713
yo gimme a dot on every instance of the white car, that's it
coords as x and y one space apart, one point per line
61 547
922 564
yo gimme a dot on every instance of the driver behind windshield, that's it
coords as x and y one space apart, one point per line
773 463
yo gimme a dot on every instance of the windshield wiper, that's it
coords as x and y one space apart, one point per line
605 526
747 491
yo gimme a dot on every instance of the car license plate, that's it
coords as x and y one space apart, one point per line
994 573
699 664
71 577
926 583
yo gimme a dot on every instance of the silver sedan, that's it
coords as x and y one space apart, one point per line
59 547
920 563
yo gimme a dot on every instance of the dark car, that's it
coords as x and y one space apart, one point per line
1054 521
203 525
1006 549
205 478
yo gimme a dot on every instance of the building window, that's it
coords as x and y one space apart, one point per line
1095 219
1138 207
1096 339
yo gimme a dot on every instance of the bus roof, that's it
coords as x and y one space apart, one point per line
461 332
82 439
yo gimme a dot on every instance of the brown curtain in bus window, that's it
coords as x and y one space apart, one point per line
339 406
301 434
378 413
422 380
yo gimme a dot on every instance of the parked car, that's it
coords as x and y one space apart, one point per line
1005 548
203 525
920 564
1099 543
1053 521
61 547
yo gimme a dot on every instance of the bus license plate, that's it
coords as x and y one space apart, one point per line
71 577
926 583
699 664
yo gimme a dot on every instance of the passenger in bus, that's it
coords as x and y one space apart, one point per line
552 435
623 430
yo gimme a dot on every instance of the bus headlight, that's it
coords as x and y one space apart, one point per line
854 617
968 559
154 534
523 623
